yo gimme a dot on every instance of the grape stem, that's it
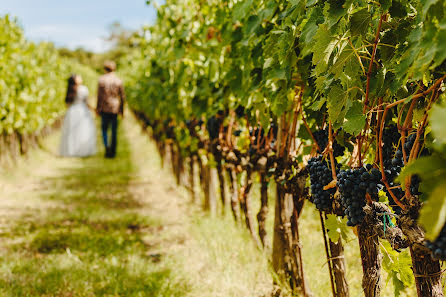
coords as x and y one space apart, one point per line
330 151
369 72
230 127
369 199
309 132
379 115
284 142
406 126
295 116
357 55
330 185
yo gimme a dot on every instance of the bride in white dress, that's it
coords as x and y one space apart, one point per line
79 129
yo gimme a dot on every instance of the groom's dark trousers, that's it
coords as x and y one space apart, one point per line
110 119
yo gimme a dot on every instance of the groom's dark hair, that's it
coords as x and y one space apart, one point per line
109 66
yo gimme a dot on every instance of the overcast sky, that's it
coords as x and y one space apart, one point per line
77 23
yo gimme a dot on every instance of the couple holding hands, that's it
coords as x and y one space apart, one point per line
79 129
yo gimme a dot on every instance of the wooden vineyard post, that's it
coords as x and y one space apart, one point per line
427 272
221 181
206 184
213 186
371 260
338 265
192 178
233 186
298 200
21 143
172 160
287 258
263 212
279 242
178 163
162 151
245 203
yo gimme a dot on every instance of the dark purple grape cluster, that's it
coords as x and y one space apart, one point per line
321 137
320 176
353 185
391 137
438 246
415 185
213 127
240 111
398 160
393 167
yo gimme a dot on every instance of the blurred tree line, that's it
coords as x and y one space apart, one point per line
120 40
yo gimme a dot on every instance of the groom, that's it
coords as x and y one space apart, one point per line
111 98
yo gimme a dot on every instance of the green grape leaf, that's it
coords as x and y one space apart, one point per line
336 228
360 22
310 28
264 117
354 119
398 266
241 9
398 9
433 213
323 48
427 4
317 105
280 102
277 73
398 285
251 24
440 54
347 63
385 4
303 133
268 11
438 115
338 104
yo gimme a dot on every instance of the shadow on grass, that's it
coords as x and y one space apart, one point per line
92 244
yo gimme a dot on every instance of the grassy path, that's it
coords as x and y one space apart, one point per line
97 227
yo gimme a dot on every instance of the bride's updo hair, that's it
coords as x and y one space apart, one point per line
72 88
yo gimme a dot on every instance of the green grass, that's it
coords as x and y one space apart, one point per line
91 242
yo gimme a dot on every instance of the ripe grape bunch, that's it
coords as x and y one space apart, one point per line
321 137
438 247
393 167
320 176
391 137
353 185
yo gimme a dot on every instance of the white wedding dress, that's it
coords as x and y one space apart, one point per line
79 129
